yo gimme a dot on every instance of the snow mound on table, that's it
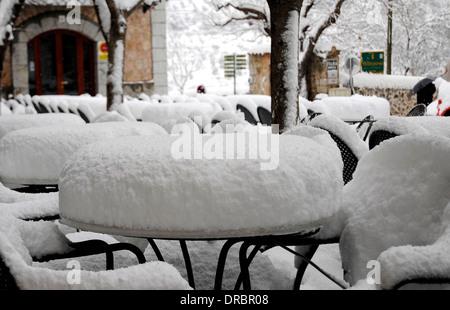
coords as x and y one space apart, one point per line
135 186
16 236
159 113
397 197
37 155
356 107
16 122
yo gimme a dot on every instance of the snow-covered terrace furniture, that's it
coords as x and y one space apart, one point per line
21 242
15 122
36 156
141 187
356 107
352 149
396 211
163 112
394 126
26 206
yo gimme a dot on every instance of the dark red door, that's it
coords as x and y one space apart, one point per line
61 62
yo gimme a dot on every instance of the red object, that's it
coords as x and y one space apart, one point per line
104 48
201 89
439 108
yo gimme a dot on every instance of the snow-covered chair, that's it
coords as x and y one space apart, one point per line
396 211
23 242
417 110
352 149
394 126
26 206
265 116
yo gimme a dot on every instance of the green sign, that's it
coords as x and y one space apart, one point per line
372 62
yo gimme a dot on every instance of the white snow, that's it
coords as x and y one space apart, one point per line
37 155
343 131
119 186
432 125
159 113
397 198
354 108
18 239
383 81
16 122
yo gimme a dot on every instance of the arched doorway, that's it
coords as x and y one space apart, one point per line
61 62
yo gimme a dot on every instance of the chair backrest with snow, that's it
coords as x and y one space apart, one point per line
399 200
352 147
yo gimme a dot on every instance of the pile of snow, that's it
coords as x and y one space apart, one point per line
37 155
444 90
419 125
354 108
137 187
160 113
343 131
16 122
20 240
383 81
397 198
407 262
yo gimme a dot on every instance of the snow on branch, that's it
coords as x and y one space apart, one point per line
9 10
256 12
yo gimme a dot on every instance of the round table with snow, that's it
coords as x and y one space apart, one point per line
139 187
36 156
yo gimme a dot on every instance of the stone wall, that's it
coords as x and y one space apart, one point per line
401 100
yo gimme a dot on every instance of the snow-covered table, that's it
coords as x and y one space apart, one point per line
16 122
36 156
137 187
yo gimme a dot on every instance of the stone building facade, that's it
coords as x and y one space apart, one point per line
397 90
50 55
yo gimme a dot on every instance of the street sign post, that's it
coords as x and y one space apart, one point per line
352 66
333 71
372 62
232 63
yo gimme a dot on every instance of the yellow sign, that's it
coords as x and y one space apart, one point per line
102 51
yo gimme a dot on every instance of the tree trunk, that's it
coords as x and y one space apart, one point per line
116 58
2 58
307 72
285 20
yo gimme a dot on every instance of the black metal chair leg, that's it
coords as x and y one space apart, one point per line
156 249
303 265
243 262
187 261
249 261
221 262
